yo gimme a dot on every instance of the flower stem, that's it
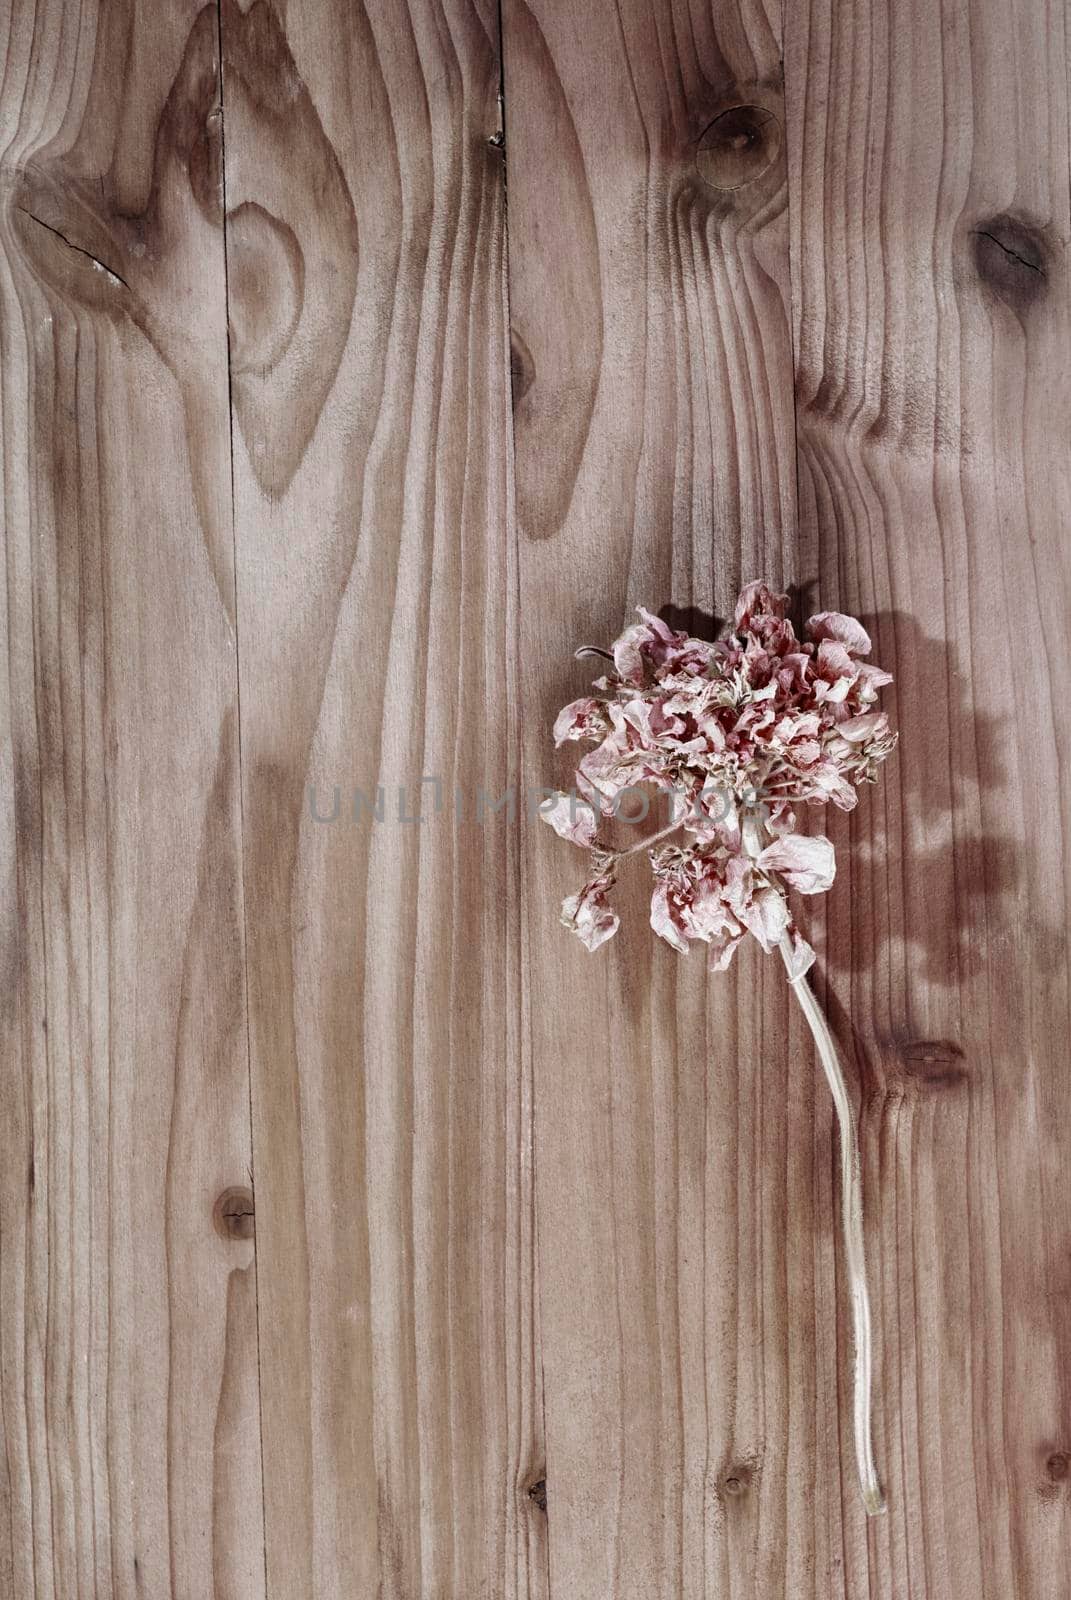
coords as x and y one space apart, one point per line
646 844
852 1223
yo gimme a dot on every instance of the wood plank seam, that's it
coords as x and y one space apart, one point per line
238 713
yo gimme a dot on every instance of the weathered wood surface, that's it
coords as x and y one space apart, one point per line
655 462
377 618
546 1298
128 1350
928 174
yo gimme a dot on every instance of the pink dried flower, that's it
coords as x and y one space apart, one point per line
740 733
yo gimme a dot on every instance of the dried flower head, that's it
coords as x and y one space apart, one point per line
739 734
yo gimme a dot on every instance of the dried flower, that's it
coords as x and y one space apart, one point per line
740 734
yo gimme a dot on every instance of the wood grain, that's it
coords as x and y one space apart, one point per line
929 197
655 462
128 1360
318 463
377 616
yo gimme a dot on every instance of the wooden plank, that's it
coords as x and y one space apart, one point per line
655 463
929 197
402 1424
128 1322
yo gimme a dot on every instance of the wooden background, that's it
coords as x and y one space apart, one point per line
358 363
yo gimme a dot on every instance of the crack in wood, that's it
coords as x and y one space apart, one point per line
101 266
1034 266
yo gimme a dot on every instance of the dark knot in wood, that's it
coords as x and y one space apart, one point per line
232 1214
735 1480
739 147
1010 257
933 1063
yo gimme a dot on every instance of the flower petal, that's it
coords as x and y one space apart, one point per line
801 956
834 662
845 630
583 719
867 725
808 863
589 916
660 629
723 948
663 920
779 818
757 600
650 642
570 818
766 917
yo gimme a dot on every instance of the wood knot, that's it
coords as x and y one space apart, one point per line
66 245
739 146
266 287
232 1214
735 1481
1057 1466
933 1063
537 1493
1010 258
